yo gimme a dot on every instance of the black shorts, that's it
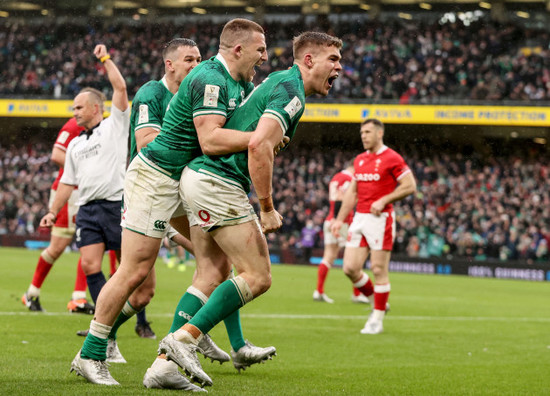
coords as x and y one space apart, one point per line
99 222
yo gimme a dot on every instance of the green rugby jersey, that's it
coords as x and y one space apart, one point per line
280 96
148 109
208 89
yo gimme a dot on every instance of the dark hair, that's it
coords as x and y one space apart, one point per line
175 44
374 121
318 39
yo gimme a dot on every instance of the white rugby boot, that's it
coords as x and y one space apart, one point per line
250 354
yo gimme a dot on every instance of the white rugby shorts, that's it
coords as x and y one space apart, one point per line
330 239
151 199
214 202
374 232
65 225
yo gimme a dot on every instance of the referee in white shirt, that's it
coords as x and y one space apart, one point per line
96 163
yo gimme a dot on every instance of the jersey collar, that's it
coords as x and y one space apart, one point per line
163 81
382 149
88 132
220 58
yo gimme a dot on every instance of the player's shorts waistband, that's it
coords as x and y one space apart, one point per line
150 163
101 202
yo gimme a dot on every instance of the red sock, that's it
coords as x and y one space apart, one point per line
381 295
322 276
80 283
42 269
112 262
364 285
356 291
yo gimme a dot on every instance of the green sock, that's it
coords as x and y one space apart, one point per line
94 348
225 300
188 306
127 312
235 330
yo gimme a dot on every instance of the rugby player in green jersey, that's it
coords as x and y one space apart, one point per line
226 225
152 181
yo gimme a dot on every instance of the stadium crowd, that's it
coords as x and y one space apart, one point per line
469 206
383 61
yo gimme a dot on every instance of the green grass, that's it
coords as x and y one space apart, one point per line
445 335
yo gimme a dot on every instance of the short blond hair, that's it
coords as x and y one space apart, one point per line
307 40
96 96
238 30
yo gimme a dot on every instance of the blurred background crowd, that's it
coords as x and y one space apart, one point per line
397 61
467 205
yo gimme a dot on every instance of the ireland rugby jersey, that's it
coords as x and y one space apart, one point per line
208 89
148 109
281 96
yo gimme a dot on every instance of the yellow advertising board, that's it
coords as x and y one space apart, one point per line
429 114
346 113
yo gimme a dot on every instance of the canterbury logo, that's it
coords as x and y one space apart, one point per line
160 225
184 315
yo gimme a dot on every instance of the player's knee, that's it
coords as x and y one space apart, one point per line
350 271
142 299
264 283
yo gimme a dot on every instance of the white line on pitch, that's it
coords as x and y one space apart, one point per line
325 317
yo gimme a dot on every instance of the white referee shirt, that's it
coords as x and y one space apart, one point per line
97 163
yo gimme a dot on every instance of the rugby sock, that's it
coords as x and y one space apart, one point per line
80 283
226 299
127 312
141 317
364 285
322 273
43 267
112 262
235 330
188 306
356 291
95 283
381 295
95 344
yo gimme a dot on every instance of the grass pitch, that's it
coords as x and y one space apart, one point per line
445 335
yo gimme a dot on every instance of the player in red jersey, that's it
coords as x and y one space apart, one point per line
336 189
381 177
62 234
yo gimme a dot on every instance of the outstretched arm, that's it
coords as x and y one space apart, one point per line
120 96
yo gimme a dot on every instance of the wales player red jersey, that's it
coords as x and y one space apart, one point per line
339 183
377 175
67 133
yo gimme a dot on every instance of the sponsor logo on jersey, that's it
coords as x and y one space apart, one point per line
367 176
293 107
232 103
159 225
211 95
63 136
143 114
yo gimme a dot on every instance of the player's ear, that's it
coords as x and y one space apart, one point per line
168 64
238 50
308 60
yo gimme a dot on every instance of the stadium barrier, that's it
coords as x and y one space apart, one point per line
530 116
436 266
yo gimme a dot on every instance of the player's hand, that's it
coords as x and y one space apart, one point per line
48 220
281 145
335 227
270 221
100 51
377 207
